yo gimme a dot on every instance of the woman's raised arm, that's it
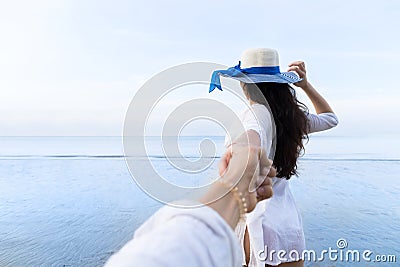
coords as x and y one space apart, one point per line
319 103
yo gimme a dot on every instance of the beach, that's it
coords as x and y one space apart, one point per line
71 201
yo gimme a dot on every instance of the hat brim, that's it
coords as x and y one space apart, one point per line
283 77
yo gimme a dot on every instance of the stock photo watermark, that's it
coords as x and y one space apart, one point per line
339 253
210 109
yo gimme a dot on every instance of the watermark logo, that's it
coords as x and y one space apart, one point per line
340 253
341 243
212 109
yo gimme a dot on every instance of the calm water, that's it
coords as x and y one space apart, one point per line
70 201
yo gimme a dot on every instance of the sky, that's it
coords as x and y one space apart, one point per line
72 67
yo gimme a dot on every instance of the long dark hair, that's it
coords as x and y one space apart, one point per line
290 116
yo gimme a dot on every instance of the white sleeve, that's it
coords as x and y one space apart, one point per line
256 118
321 122
259 119
250 120
180 237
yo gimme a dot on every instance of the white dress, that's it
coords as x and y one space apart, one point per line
275 224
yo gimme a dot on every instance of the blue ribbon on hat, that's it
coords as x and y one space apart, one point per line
237 71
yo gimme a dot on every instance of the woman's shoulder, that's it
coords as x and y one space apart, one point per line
257 114
259 110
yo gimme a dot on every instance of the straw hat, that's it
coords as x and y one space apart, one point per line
257 65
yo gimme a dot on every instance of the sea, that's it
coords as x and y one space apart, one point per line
72 201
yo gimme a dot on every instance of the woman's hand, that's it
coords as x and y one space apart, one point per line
319 103
300 68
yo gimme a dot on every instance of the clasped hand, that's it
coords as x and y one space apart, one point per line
243 162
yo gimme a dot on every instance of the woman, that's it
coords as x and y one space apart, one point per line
275 225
